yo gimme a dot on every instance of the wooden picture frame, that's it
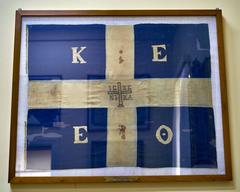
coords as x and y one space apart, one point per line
28 17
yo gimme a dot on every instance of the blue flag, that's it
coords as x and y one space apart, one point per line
120 96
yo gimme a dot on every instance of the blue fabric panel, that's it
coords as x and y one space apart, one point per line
150 152
197 137
53 129
198 140
50 53
187 50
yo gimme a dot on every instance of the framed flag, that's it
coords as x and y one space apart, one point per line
119 96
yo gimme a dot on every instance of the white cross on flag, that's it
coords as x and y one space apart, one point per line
121 96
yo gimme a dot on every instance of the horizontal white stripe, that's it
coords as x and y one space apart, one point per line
145 92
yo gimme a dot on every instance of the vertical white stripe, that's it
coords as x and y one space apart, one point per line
119 52
121 145
122 128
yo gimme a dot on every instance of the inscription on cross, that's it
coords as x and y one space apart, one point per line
120 93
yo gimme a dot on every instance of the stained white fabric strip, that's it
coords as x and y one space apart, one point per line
145 92
122 137
122 127
119 52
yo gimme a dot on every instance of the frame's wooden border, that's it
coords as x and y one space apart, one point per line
15 90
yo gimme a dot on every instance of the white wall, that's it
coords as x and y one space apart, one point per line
231 14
